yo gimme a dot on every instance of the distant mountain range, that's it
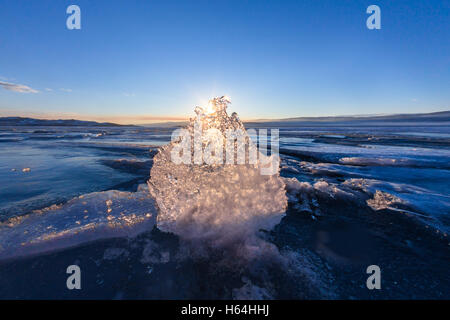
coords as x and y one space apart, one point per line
435 117
400 119
393 119
19 121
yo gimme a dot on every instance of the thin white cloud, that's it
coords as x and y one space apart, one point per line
17 87
65 90
48 89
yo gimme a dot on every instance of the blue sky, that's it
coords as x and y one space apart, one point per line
146 60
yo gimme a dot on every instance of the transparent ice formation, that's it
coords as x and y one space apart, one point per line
86 218
217 202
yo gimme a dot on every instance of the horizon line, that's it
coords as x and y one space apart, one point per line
145 119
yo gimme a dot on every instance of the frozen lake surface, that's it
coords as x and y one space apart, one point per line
358 195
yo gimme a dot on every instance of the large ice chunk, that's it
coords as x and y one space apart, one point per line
219 201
